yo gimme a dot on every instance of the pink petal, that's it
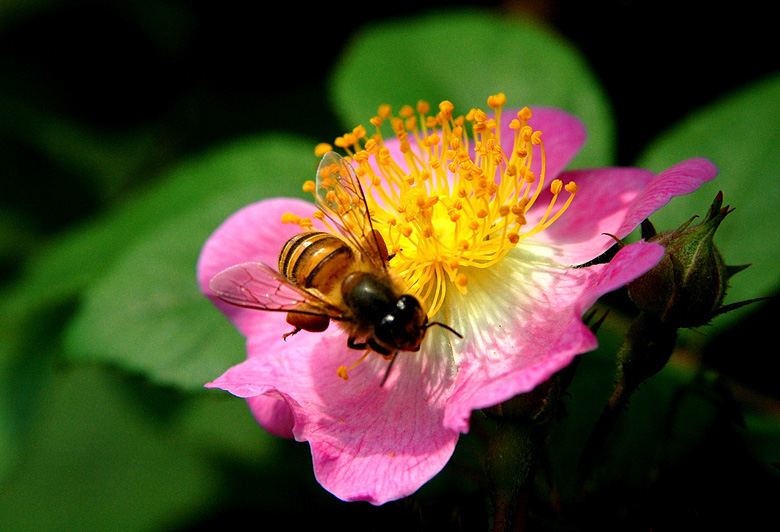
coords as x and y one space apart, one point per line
368 442
682 178
563 135
539 337
254 233
615 201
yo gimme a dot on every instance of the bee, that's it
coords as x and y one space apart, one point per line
345 278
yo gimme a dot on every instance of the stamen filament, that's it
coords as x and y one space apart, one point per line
343 371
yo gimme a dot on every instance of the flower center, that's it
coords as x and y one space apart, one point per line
445 200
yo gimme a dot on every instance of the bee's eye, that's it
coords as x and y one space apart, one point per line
404 327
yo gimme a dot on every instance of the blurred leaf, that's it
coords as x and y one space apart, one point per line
464 57
16 240
146 312
739 134
63 267
219 425
94 462
28 350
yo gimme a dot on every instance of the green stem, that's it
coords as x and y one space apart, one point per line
521 429
646 350
510 464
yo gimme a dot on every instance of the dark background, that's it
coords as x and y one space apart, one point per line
198 73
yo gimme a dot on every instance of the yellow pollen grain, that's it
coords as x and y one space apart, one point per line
309 186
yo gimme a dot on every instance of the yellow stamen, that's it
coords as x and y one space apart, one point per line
322 148
343 371
450 202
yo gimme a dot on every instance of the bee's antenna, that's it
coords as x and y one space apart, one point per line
388 369
445 326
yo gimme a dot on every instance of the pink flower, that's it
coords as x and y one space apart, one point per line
482 259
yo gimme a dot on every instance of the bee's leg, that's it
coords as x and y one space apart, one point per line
352 343
305 322
296 330
389 367
382 350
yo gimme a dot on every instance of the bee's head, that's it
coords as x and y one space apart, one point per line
404 327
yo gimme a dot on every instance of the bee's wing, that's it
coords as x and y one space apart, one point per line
256 285
341 198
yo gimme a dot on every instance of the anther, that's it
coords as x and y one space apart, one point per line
497 100
322 148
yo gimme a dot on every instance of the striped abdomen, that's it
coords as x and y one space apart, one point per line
315 260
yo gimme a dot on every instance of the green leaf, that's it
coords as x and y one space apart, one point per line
146 313
274 165
464 57
95 462
739 134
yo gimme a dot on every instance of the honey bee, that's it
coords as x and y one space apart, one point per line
345 278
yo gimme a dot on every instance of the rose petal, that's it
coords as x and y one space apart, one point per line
563 135
534 330
369 442
253 234
614 201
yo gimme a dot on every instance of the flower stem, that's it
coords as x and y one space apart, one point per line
510 464
521 426
645 351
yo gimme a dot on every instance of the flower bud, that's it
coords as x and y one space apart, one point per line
687 288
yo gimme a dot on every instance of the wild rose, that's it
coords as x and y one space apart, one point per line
489 240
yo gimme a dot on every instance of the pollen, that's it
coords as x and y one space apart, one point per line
452 195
